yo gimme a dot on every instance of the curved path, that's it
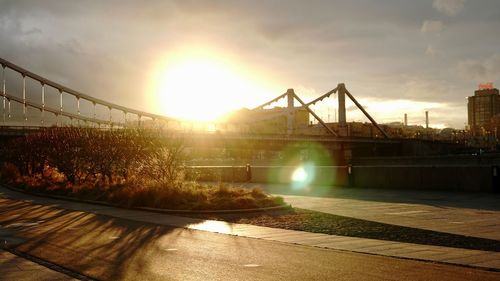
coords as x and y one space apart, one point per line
116 244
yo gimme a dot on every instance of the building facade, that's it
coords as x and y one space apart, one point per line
482 107
271 121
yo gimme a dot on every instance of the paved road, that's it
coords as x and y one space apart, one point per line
109 248
16 268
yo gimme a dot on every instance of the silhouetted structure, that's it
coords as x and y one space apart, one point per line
482 107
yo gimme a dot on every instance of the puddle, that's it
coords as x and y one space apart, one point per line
407 213
213 226
251 265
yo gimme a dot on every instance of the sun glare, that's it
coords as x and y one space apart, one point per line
299 174
303 175
202 87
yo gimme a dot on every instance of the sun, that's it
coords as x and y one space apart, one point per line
202 87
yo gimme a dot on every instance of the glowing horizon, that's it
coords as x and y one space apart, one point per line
202 85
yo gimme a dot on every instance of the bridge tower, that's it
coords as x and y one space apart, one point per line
342 114
290 117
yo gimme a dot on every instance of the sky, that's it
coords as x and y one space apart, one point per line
395 56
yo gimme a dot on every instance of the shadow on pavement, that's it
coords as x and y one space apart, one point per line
98 246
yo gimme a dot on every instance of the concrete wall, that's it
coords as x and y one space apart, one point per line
463 178
412 177
323 175
218 173
446 160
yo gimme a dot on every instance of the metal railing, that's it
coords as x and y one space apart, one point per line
7 98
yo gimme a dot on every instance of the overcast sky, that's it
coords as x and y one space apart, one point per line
395 56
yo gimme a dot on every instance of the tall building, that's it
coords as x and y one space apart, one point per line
482 106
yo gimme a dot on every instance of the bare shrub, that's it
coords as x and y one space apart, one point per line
92 154
130 167
164 160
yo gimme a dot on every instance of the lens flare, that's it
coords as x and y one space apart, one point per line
303 175
299 174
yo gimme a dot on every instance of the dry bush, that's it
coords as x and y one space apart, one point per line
130 167
83 154
165 160
9 172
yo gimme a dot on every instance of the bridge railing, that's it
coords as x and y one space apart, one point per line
44 82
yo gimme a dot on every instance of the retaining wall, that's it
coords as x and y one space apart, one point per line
463 178
412 177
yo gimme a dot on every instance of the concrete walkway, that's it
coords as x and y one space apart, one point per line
463 221
469 214
482 259
16 268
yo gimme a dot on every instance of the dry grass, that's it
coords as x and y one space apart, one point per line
185 196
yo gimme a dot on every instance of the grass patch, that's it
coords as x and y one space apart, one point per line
312 221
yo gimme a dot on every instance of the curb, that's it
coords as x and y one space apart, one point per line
149 209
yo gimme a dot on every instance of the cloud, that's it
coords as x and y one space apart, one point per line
425 90
392 110
432 26
482 70
430 51
449 7
372 46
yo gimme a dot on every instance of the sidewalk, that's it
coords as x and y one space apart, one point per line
469 214
483 259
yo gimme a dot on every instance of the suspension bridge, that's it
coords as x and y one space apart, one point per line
52 104
129 116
